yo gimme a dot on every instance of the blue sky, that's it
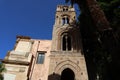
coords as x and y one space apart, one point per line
34 18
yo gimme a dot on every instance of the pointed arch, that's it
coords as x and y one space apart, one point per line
61 66
76 44
67 64
60 33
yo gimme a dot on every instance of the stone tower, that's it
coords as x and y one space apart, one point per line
67 60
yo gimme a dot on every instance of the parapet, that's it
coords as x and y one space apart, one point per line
65 8
22 37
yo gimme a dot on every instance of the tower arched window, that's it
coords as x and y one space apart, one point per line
65 20
66 42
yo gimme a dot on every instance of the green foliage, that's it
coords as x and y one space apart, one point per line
2 69
111 9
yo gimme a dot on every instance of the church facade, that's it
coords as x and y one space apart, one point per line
61 58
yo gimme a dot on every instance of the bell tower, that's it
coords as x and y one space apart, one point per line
67 60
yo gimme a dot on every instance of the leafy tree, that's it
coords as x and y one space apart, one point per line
111 9
2 69
100 41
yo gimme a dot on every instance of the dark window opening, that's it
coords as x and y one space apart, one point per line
65 21
65 9
69 43
66 43
67 74
40 59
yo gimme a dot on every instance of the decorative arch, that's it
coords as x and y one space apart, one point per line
67 64
60 34
76 45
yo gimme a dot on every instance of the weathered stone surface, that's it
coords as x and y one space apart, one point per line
61 59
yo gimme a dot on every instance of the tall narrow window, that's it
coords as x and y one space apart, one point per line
67 20
69 43
63 21
40 59
66 43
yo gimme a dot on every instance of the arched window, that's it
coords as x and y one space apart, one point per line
66 42
65 20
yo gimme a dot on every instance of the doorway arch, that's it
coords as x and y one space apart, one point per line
67 74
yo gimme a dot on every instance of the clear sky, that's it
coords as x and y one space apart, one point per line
34 18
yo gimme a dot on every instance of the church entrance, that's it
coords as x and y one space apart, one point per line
67 74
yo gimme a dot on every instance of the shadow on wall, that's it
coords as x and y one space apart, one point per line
54 76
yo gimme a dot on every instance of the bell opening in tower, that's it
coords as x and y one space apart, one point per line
66 42
65 20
